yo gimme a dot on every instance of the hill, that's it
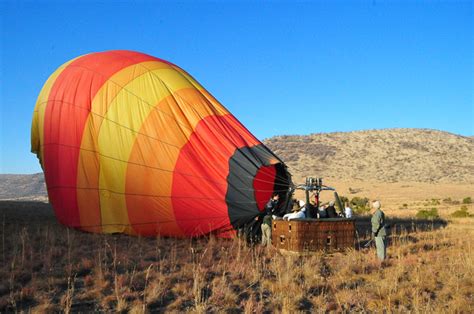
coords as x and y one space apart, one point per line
397 164
389 156
23 187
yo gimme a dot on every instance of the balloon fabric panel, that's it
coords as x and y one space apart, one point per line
131 143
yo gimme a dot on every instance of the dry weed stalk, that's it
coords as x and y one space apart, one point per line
68 296
145 288
3 239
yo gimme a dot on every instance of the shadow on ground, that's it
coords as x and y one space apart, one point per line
31 213
24 212
396 226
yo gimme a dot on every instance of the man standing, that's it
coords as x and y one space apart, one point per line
378 230
267 220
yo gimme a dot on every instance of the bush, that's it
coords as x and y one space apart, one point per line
467 200
447 200
427 214
461 213
343 199
360 205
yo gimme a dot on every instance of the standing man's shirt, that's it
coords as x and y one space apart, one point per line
378 224
269 209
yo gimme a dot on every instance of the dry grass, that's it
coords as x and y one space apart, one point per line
46 267
403 199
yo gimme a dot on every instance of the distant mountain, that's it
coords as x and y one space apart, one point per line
389 155
23 187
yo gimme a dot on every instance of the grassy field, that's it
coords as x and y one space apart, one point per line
46 267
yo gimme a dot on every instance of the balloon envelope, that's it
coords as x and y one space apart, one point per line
133 144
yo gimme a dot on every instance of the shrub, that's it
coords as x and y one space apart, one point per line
467 200
360 210
427 214
447 200
461 213
354 191
360 205
343 199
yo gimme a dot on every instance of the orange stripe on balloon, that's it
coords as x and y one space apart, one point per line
153 159
89 167
119 131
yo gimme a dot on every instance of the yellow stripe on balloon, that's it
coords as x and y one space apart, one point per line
88 171
199 87
116 141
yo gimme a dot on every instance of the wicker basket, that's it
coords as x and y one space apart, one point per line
306 235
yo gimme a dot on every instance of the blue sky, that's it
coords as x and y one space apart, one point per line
280 67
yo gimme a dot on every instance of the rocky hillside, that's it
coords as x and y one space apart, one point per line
389 155
22 187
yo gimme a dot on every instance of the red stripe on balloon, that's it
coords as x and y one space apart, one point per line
68 107
199 196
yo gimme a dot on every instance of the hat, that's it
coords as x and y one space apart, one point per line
376 204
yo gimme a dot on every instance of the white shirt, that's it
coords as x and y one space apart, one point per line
298 215
348 212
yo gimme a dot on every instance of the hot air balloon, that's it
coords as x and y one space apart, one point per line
133 144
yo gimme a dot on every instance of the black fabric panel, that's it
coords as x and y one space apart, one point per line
240 197
282 183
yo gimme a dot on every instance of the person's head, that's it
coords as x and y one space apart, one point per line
301 203
346 204
331 203
376 205
275 196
